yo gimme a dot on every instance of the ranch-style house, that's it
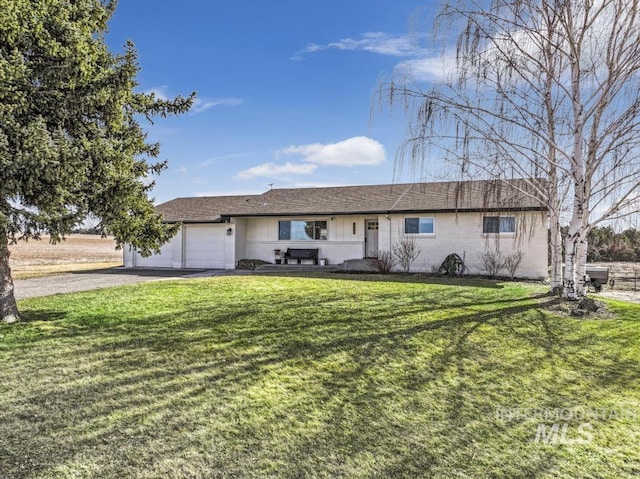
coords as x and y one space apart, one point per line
350 222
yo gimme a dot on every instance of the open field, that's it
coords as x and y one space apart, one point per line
343 376
78 252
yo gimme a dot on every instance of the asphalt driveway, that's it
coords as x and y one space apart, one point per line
88 280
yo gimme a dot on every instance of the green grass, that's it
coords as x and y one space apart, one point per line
316 377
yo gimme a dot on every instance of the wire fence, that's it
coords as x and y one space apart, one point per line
624 282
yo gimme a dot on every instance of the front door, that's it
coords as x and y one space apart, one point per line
371 238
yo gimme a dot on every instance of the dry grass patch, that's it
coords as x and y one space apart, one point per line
42 270
79 252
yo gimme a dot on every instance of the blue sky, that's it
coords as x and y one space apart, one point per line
284 88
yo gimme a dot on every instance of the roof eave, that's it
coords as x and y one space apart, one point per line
389 212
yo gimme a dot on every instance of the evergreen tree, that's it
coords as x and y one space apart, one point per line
70 140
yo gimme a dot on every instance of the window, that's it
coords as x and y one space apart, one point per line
423 226
498 224
302 230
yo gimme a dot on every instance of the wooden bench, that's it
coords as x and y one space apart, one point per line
299 254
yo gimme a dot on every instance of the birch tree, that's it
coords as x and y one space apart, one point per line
70 141
545 90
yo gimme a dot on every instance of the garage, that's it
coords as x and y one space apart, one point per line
204 246
162 260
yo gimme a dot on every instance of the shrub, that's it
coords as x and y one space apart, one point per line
405 252
512 263
384 262
492 262
250 263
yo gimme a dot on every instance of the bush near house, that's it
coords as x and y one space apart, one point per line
406 252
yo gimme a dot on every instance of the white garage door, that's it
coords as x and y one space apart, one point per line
161 260
204 246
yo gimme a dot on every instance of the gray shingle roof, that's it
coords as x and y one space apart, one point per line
370 199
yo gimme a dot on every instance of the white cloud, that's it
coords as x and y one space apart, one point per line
200 105
420 64
159 91
374 42
272 170
356 151
427 68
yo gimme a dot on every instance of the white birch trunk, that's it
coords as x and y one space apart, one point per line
581 266
568 290
582 250
556 252
576 245
574 285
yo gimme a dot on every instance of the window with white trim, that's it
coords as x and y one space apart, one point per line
299 230
498 224
422 226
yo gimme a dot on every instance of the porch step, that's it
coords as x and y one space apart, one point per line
281 268
350 265
358 265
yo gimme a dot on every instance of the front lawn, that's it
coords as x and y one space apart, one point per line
318 377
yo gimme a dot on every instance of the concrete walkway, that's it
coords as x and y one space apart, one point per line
620 295
105 278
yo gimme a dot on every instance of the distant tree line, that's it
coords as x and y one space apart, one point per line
604 244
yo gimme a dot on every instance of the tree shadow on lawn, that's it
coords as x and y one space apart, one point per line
252 393
32 316
418 278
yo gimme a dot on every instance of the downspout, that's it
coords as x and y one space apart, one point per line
389 219
391 209
184 246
